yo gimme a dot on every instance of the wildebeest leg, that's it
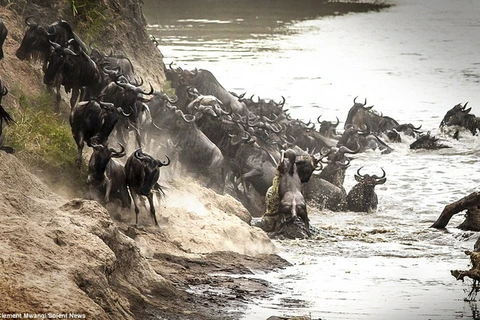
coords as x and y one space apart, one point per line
74 97
138 136
80 145
152 207
58 95
135 202
108 189
126 200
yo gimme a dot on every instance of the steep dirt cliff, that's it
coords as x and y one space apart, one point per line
68 255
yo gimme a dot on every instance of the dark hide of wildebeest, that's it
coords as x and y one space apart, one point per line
37 41
362 197
142 172
206 84
106 177
428 142
92 122
460 116
4 118
362 116
3 36
79 73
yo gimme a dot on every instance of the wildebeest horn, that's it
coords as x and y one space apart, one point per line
318 118
359 174
344 149
137 83
117 154
346 164
464 106
29 23
338 122
184 116
146 93
95 146
66 25
354 101
282 103
121 111
166 97
170 66
163 164
4 90
55 45
140 155
379 178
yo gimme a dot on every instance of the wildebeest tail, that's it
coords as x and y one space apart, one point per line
4 116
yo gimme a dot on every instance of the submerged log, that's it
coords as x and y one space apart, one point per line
470 203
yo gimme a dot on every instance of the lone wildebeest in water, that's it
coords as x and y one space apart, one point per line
362 197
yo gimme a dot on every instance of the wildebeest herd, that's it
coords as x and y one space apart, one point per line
249 147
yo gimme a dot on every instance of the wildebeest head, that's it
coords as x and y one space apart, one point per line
151 171
357 107
461 116
450 113
370 180
327 128
129 94
362 197
98 161
37 37
58 56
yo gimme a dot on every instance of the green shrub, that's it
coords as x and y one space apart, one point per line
91 17
43 139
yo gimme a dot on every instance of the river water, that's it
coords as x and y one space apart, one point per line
413 62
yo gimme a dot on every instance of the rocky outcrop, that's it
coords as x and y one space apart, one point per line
60 255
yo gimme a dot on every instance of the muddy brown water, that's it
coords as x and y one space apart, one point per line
413 61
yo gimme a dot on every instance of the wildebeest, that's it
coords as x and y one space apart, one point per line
128 97
3 36
460 116
326 189
37 43
362 196
427 141
362 116
353 137
114 65
78 71
106 177
292 202
142 172
92 122
198 153
328 128
206 84
4 117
